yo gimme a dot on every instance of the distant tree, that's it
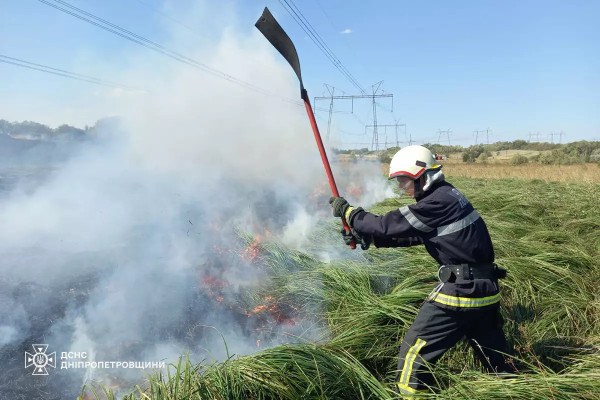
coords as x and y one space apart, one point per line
384 158
483 157
5 127
518 159
386 155
472 152
441 149
546 157
519 144
31 129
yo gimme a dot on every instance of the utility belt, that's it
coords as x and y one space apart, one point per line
449 273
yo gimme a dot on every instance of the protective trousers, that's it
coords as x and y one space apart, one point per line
437 329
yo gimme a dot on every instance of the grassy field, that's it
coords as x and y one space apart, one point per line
589 173
546 233
498 156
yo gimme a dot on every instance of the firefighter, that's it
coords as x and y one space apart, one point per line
466 301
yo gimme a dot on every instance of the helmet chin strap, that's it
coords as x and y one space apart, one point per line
418 188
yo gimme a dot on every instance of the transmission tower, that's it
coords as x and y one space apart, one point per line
559 134
410 141
375 141
331 90
372 96
487 135
534 135
385 126
447 132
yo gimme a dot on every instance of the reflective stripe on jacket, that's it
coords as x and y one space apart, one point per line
452 231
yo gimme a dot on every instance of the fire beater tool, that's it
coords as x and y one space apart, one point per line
270 28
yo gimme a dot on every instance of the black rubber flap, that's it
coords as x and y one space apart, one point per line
270 28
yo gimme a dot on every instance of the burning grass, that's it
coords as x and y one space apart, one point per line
547 234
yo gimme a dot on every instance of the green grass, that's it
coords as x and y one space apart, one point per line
546 234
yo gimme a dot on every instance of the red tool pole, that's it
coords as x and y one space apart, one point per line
315 129
275 34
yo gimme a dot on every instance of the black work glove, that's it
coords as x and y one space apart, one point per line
340 208
347 236
364 241
339 205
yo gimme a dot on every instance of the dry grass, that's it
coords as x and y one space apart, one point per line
558 173
503 155
588 173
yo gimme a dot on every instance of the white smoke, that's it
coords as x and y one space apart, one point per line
108 255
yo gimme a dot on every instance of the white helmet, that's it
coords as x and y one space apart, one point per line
412 161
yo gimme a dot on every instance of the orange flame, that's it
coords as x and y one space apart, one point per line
213 282
318 191
259 308
253 249
354 191
280 314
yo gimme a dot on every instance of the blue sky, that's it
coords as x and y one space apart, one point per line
515 67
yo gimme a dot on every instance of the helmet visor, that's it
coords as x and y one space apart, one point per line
404 182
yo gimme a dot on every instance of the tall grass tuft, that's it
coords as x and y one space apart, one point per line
547 234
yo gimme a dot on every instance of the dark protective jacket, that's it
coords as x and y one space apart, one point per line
453 233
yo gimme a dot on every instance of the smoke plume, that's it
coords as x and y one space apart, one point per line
131 249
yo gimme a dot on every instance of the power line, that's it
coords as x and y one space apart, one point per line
327 16
126 34
167 16
351 133
142 41
358 119
306 26
361 143
334 58
60 72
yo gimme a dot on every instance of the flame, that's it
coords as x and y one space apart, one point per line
213 287
220 250
259 308
265 313
318 191
279 313
213 282
253 249
354 191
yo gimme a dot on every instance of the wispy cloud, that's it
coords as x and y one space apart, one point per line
346 31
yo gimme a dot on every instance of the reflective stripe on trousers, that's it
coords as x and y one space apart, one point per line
409 362
468 302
